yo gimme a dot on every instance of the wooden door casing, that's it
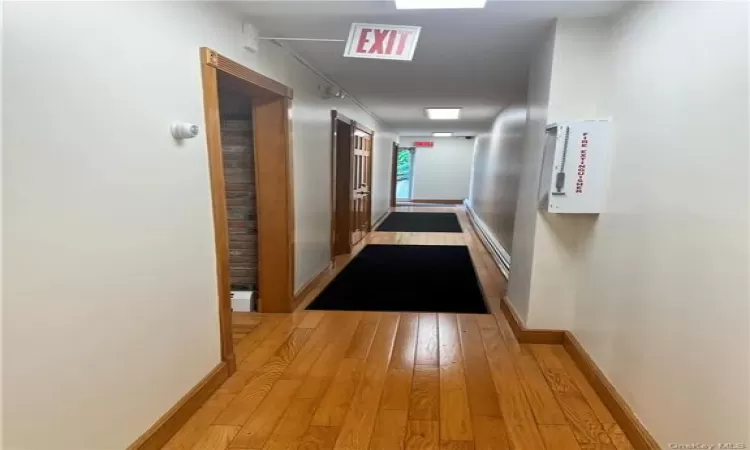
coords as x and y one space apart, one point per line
343 143
394 170
351 187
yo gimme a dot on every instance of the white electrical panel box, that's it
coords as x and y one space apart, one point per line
575 167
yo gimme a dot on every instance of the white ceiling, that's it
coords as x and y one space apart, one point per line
474 59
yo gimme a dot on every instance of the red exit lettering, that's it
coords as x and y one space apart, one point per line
580 182
382 42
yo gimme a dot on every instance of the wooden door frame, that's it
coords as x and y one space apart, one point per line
336 230
394 173
272 148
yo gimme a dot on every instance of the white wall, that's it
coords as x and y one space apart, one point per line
656 287
441 172
577 91
522 249
312 166
110 308
662 303
381 173
496 174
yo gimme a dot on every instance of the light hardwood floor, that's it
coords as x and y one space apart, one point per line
380 381
243 323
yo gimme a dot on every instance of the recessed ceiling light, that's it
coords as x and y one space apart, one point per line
440 4
443 113
442 134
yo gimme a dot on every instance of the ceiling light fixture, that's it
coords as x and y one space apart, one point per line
442 134
440 4
443 113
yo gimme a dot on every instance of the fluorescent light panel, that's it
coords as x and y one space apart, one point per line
442 134
440 4
443 113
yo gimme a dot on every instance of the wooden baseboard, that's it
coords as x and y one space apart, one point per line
310 285
635 431
526 335
438 201
639 437
175 418
380 220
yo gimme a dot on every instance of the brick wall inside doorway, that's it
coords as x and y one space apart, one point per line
239 174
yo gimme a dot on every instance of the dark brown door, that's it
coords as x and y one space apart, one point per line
343 139
361 194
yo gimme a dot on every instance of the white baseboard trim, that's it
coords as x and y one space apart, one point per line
243 301
497 251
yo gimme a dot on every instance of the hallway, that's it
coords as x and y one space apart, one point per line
215 183
353 380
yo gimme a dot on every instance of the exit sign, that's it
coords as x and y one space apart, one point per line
373 41
424 144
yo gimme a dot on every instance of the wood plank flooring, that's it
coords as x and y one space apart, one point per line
337 380
242 324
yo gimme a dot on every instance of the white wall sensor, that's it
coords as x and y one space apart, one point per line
184 130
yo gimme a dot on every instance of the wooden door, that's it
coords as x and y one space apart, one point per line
361 185
343 151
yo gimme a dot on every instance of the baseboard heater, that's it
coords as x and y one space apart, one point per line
498 253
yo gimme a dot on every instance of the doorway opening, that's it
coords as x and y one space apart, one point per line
250 163
236 127
352 150
404 173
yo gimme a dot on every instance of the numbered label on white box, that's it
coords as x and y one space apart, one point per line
575 167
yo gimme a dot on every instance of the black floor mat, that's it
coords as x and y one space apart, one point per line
418 278
421 222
